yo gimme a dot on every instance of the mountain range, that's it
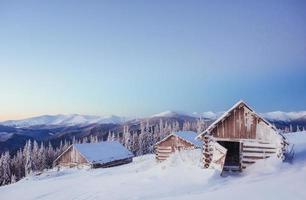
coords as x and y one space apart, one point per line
77 119
14 133
64 120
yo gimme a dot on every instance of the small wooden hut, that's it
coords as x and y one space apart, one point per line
176 141
239 138
102 154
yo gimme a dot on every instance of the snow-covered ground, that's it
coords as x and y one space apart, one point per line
175 179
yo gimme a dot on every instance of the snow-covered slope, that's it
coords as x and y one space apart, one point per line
73 119
178 178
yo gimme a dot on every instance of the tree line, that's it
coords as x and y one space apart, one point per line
36 157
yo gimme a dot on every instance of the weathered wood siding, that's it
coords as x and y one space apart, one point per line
169 146
242 123
253 151
71 157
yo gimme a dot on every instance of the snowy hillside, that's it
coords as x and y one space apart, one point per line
70 120
178 178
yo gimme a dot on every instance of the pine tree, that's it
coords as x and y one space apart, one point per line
84 140
127 138
35 156
297 128
109 136
1 169
149 140
50 155
42 157
13 179
18 164
28 159
135 144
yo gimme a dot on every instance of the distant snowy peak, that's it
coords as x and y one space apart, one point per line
284 116
67 120
169 113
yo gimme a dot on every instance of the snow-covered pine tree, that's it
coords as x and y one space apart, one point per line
6 176
13 179
92 139
127 138
297 128
28 158
150 138
1 169
74 140
50 155
85 140
200 125
109 136
143 140
135 144
18 163
114 138
156 134
42 157
35 156
161 126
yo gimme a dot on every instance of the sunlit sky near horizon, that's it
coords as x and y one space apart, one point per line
137 58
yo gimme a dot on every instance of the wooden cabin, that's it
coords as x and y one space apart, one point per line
239 138
102 154
176 141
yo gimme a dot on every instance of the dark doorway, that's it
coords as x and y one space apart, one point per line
232 158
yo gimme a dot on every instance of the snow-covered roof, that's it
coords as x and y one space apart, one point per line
103 152
225 114
188 136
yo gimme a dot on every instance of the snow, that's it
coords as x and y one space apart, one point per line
178 178
69 120
103 152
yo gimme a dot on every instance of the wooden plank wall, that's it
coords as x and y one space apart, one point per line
71 158
239 124
253 151
164 149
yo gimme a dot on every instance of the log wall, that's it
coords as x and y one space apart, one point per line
173 143
71 157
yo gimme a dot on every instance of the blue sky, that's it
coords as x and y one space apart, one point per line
143 57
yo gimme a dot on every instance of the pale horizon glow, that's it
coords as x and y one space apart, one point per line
141 58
